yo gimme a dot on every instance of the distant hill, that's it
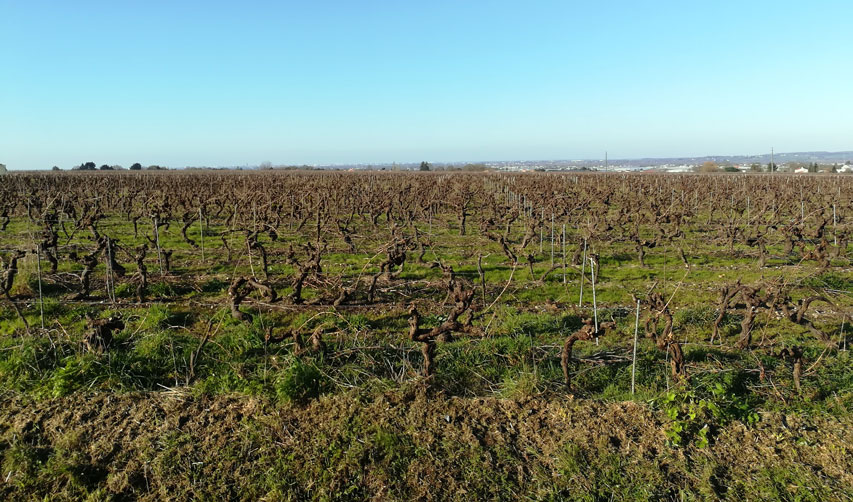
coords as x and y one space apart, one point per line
779 158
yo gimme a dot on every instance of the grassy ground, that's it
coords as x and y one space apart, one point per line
404 445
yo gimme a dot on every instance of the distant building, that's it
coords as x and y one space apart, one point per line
801 170
683 168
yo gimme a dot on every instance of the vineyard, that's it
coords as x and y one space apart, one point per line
297 335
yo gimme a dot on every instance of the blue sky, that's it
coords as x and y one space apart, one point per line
234 83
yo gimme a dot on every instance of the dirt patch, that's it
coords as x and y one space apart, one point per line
409 445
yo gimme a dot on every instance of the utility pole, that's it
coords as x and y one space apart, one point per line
605 161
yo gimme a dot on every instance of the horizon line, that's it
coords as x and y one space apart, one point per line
607 158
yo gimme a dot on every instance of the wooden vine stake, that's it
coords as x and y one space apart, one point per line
201 225
747 210
634 357
110 283
563 243
41 298
38 269
834 222
583 273
552 239
482 277
157 242
594 304
542 231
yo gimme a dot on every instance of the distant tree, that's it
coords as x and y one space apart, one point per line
136 167
731 169
771 167
834 168
265 165
707 167
106 167
158 168
755 166
424 166
55 168
2 168
87 166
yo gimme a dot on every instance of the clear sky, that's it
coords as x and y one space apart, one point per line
182 83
